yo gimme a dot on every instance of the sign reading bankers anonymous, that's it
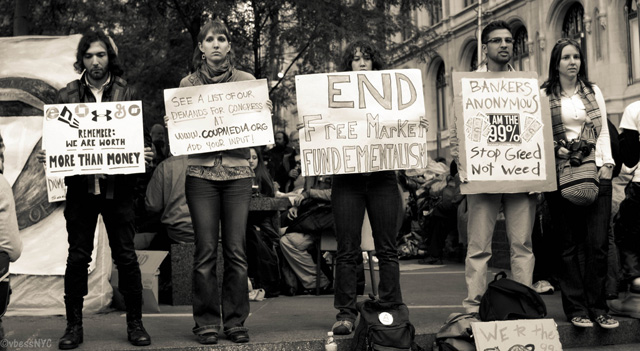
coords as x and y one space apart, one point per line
216 117
358 122
504 131
93 138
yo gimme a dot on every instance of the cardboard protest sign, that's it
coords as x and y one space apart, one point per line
216 117
358 122
518 335
93 138
56 189
504 132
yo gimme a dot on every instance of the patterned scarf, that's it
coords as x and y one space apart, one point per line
593 112
222 74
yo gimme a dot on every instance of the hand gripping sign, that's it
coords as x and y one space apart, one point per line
93 138
359 122
216 117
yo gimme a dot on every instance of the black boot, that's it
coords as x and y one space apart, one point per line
136 333
73 334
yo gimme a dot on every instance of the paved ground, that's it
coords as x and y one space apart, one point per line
301 322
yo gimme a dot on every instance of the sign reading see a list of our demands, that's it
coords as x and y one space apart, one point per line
518 335
216 117
359 122
93 138
504 132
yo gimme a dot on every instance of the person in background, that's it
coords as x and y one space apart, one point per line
576 102
263 232
166 194
289 172
295 244
10 242
275 156
483 209
91 195
158 138
351 194
218 191
627 226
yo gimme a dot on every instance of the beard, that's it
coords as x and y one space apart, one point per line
97 73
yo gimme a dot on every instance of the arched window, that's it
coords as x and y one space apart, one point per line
633 40
573 26
441 85
473 65
521 49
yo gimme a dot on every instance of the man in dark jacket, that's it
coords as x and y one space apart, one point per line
91 195
627 226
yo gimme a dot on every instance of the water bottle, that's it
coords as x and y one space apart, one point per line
330 345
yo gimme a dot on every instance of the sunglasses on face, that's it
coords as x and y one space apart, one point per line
567 40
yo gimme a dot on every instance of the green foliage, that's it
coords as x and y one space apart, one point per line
156 38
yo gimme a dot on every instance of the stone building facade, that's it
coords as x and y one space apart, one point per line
608 31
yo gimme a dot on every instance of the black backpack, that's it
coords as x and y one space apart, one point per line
383 326
506 299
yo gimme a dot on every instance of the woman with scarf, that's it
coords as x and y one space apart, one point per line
218 189
575 102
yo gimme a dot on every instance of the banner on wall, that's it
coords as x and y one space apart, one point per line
216 117
359 122
504 131
93 138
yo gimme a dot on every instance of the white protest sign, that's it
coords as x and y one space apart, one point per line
93 138
504 130
56 189
216 117
518 335
358 122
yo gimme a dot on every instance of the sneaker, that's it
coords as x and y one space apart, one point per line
582 322
607 322
543 287
628 306
342 328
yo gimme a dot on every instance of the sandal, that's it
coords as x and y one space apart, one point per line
582 321
607 322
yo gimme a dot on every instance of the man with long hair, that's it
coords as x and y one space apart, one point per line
91 195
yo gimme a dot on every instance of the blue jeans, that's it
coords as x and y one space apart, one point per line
350 195
211 202
583 232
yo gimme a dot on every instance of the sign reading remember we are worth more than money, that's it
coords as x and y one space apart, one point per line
359 122
93 138
216 117
504 132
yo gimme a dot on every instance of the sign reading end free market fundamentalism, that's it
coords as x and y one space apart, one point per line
216 117
359 122
93 138
504 132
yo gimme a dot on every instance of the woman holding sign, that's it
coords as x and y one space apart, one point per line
351 194
581 137
218 189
